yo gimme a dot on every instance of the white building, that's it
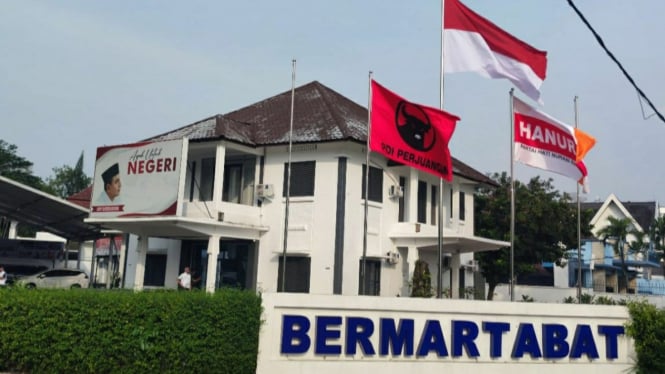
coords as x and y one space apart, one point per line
231 207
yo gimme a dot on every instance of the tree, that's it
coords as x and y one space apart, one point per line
17 168
545 226
67 180
657 234
616 231
422 280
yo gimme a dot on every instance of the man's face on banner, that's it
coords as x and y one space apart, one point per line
113 188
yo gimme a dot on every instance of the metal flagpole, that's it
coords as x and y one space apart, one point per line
439 278
512 197
579 229
288 177
363 265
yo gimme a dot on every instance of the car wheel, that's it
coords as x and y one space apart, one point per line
30 285
76 286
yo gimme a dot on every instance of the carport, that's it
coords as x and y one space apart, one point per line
45 212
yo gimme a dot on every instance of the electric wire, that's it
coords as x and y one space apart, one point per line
625 73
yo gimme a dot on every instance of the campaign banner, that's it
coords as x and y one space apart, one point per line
136 180
103 246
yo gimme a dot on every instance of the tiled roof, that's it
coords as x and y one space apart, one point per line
643 212
320 115
82 198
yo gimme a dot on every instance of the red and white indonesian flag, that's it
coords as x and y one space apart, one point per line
544 142
474 44
411 134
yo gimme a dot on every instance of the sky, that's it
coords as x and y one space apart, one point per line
80 74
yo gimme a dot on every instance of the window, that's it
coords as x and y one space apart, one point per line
372 277
461 206
422 202
297 274
400 213
207 179
192 182
450 203
434 204
302 178
155 270
375 184
232 183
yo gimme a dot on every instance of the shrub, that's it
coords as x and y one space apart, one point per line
647 328
98 331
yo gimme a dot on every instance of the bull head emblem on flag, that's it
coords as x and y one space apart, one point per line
414 126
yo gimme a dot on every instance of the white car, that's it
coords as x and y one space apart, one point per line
56 278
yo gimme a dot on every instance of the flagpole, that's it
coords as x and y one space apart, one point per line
288 176
579 228
363 265
512 197
439 278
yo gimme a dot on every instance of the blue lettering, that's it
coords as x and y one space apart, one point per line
294 334
526 342
358 331
464 335
323 334
396 338
611 334
432 340
496 329
583 343
554 341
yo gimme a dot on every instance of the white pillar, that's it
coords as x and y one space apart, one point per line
220 156
455 264
213 252
412 257
142 250
411 197
12 229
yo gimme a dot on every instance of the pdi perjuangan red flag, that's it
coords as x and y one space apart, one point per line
472 43
546 143
411 134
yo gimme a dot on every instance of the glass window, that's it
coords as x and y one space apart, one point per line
375 184
434 204
302 178
400 214
422 202
207 179
461 206
297 274
232 183
372 277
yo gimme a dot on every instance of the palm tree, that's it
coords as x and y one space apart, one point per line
616 231
657 234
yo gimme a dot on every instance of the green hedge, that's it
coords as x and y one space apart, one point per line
93 331
647 328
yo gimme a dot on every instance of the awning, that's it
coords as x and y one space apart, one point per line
45 212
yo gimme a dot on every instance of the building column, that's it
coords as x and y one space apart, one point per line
142 250
411 196
412 257
213 253
12 229
220 156
455 264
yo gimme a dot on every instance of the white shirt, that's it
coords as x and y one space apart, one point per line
185 280
3 278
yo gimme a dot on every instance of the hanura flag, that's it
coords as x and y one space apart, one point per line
411 134
544 142
471 43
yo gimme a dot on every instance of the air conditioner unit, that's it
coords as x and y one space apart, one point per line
265 191
395 191
392 257
472 265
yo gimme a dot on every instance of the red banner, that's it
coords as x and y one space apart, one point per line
411 134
